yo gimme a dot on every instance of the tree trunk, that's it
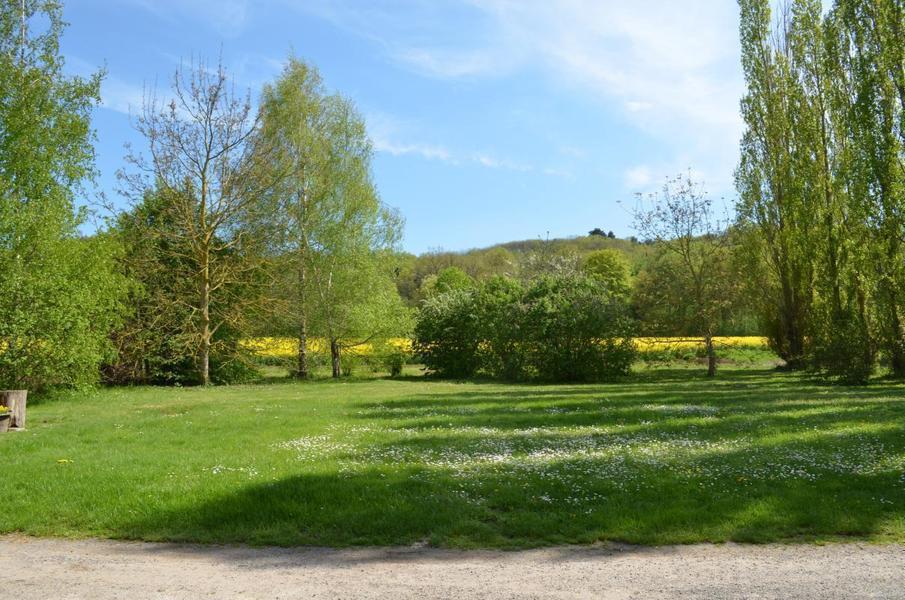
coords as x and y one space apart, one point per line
334 357
15 400
711 356
205 362
897 348
302 367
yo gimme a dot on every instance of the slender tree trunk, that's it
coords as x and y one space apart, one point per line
711 355
302 367
790 316
204 366
897 346
334 357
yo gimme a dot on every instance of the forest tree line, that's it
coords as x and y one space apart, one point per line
259 217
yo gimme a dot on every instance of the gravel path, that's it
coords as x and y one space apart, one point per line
63 569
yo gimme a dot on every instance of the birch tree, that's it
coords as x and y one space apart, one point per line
332 234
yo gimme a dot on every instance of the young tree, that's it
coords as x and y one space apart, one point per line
329 226
692 286
207 161
60 292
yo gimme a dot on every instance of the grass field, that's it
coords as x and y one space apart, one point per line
667 457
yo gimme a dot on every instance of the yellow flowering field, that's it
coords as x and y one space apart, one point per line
644 344
281 347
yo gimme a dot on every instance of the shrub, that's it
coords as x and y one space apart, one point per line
841 349
576 330
566 327
500 313
447 334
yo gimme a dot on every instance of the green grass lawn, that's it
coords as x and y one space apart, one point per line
667 457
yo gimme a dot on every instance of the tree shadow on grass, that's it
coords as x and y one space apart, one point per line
802 488
752 458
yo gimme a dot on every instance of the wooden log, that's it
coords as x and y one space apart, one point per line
15 400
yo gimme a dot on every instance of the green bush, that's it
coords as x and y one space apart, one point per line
447 334
841 349
553 328
576 330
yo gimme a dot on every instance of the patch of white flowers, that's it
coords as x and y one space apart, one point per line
579 464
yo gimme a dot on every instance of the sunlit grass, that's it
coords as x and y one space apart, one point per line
667 457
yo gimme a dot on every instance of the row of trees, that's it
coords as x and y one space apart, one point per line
262 218
245 219
252 222
821 181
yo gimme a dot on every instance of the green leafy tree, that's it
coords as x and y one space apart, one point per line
868 43
775 210
61 292
328 227
610 268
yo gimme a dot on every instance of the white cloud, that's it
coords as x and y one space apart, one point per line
121 96
638 177
638 106
492 162
399 149
227 17
671 68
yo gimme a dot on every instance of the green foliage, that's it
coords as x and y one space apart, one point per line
329 232
576 330
513 259
610 268
60 292
820 182
447 334
447 280
841 349
501 312
553 328
157 342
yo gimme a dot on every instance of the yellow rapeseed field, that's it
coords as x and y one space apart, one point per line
278 347
678 343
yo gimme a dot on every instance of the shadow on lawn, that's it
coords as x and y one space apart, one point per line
753 489
400 508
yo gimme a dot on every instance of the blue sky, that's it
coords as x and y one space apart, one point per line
493 120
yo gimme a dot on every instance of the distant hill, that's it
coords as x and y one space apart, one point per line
505 258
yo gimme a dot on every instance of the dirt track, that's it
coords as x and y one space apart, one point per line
61 569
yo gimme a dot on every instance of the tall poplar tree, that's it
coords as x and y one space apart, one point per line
870 49
775 209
